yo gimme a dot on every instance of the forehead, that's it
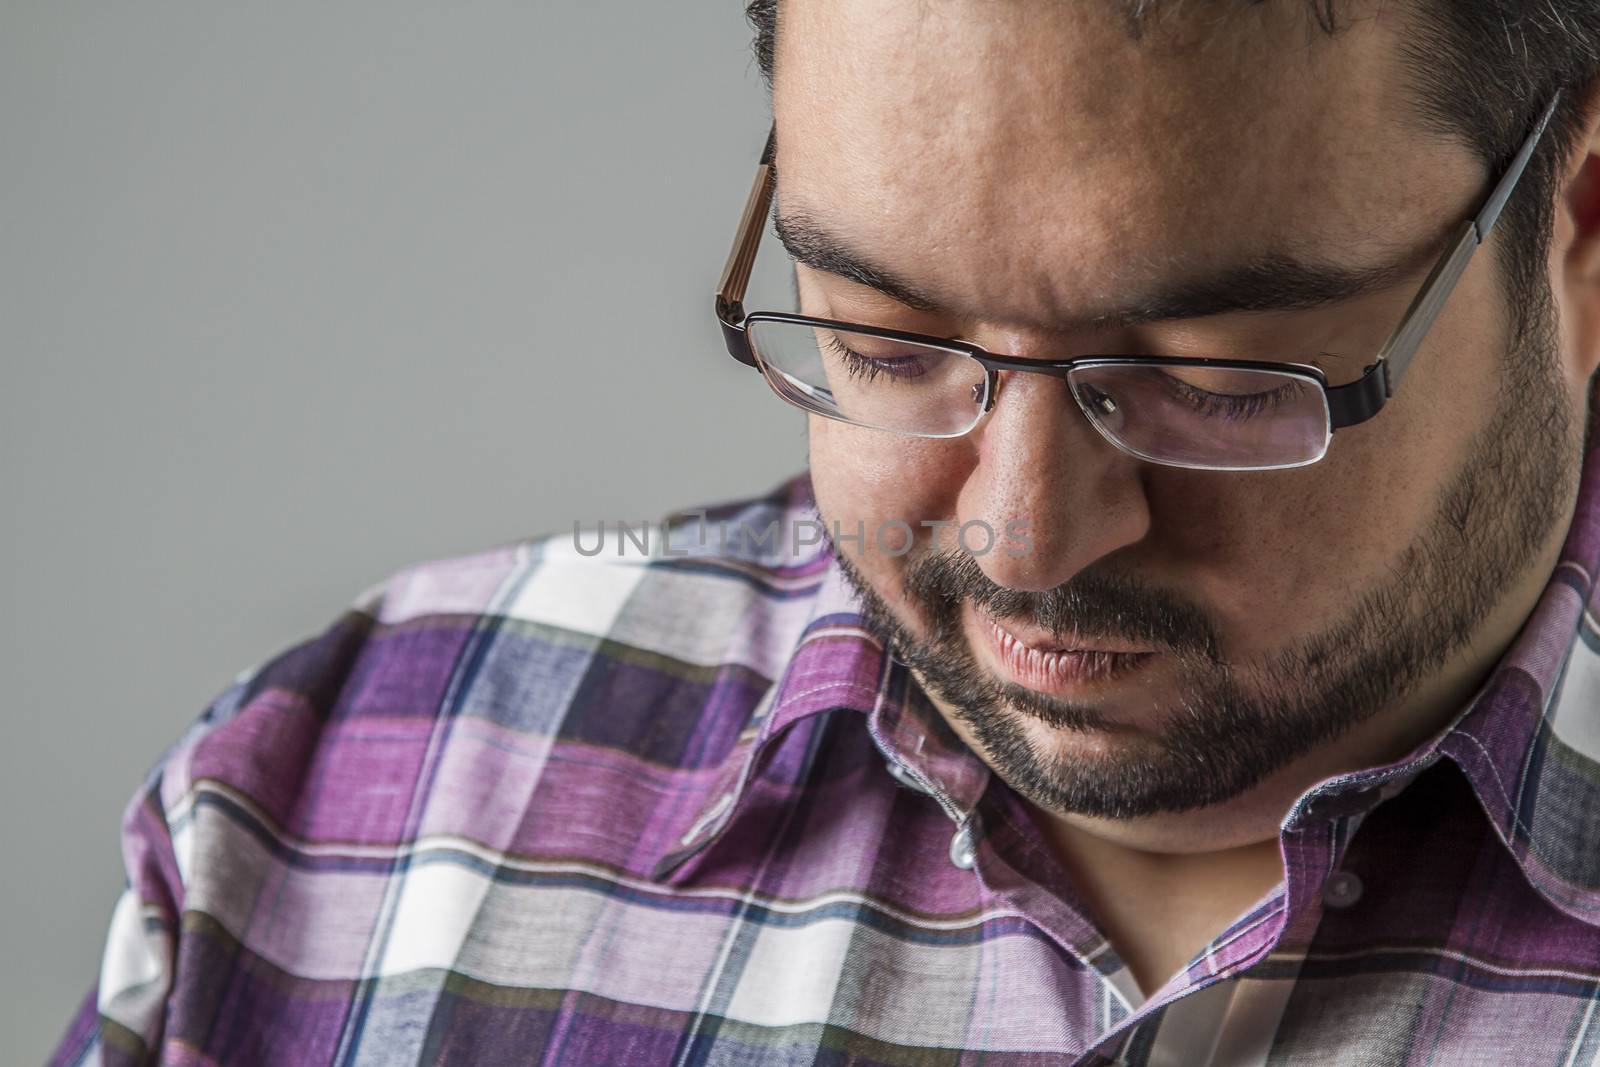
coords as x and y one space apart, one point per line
1030 157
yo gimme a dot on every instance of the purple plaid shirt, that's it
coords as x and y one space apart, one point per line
541 806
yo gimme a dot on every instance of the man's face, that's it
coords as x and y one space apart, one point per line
1031 167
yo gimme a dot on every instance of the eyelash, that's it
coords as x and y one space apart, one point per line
1229 407
858 366
1210 405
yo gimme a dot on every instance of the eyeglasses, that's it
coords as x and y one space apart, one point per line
1200 413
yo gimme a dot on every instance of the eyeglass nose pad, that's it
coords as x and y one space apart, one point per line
988 390
1096 398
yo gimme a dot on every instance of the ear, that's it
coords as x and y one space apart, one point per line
1576 246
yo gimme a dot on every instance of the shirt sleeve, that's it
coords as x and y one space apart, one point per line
122 1018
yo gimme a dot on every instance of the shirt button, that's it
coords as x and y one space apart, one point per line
963 850
1343 889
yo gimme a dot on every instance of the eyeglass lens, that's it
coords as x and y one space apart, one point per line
1184 415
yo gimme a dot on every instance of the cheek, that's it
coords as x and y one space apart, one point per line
1287 554
1278 556
871 478
1255 553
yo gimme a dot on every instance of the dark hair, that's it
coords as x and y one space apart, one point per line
1481 72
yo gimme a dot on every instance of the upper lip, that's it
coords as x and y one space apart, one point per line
1044 641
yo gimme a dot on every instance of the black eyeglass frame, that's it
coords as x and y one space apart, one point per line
1348 405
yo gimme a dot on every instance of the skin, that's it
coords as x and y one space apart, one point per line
1030 164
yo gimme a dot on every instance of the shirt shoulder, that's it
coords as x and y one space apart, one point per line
530 704
524 659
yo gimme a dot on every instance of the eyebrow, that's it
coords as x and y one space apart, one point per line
1270 282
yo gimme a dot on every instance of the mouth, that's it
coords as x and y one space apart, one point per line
1062 667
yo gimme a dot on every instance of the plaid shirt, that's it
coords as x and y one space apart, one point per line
536 806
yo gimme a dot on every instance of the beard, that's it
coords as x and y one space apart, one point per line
1225 733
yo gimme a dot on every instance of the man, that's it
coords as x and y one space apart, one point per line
1195 669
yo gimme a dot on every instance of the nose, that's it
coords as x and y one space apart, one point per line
1043 468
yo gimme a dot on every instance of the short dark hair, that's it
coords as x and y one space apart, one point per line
1481 72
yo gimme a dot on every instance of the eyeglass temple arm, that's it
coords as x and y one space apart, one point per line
1419 318
746 240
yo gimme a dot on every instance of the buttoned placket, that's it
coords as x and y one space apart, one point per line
964 841
898 740
774 715
1317 885
1315 827
1316 836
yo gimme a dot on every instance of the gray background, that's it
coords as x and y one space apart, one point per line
294 294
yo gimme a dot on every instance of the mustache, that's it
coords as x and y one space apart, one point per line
1091 603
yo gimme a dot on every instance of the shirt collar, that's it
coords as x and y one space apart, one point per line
837 664
1527 742
1524 742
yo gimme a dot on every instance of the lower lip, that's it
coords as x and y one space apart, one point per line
1057 673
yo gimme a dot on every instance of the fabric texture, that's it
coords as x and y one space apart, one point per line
571 802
